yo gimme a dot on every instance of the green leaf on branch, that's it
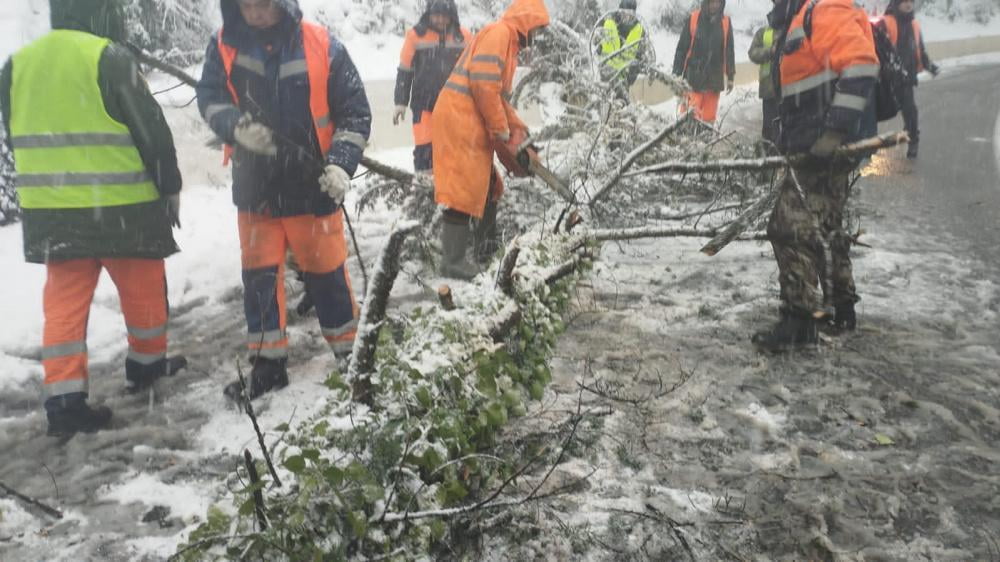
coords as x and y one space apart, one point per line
295 464
358 523
334 476
335 382
452 492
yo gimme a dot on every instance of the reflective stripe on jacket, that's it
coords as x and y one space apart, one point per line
425 62
279 82
315 66
473 107
70 153
612 43
827 73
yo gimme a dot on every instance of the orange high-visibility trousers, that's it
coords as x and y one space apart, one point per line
320 249
69 290
704 104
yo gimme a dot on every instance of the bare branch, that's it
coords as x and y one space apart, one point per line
660 232
635 154
50 511
258 494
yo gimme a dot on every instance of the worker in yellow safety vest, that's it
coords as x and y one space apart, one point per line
621 48
762 53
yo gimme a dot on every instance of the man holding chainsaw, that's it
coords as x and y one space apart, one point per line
288 101
472 120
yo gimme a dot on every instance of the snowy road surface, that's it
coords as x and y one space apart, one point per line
880 445
884 441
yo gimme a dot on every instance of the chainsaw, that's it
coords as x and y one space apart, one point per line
520 156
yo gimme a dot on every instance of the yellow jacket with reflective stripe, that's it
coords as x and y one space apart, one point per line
613 43
69 153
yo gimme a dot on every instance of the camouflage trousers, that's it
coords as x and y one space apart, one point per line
810 245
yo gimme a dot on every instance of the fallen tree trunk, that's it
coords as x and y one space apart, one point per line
860 148
373 312
621 234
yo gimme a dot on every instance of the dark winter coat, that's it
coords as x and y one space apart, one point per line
911 51
427 60
129 231
709 66
287 185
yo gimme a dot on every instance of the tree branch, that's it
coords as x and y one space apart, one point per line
860 148
660 232
50 511
374 309
635 154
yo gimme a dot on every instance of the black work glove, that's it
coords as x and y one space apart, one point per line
526 155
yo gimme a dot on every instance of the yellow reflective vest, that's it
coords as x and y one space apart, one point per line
613 43
69 153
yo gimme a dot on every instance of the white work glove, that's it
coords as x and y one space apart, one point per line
174 209
398 114
729 85
335 181
255 137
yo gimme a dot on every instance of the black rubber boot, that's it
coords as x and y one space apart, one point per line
267 375
139 377
486 238
791 332
844 319
454 241
70 413
911 150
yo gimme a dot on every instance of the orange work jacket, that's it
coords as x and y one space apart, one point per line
826 73
473 107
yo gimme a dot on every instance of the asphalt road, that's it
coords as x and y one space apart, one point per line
954 185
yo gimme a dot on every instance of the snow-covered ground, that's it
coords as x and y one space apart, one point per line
170 450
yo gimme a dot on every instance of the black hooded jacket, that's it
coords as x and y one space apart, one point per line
135 231
427 59
704 69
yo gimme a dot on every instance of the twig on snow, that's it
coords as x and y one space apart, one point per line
50 511
248 408
258 494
